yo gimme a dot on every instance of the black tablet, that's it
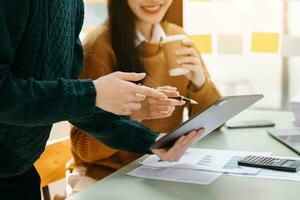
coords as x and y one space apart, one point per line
210 119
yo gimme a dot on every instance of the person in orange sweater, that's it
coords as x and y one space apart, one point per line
130 41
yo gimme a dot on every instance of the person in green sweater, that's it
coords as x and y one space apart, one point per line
41 58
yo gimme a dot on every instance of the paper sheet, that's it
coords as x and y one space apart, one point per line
272 174
210 160
175 175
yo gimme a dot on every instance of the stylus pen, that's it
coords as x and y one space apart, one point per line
180 98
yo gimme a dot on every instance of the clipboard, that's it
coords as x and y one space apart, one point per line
209 119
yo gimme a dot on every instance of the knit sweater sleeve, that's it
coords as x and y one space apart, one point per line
117 132
30 102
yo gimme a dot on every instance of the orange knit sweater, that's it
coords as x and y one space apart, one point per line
101 160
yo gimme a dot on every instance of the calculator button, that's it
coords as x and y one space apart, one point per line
276 162
247 159
273 162
256 159
263 160
251 160
268 161
282 162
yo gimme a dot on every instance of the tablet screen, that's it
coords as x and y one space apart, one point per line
210 119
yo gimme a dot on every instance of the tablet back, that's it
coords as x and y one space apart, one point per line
210 119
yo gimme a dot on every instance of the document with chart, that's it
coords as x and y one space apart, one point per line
209 160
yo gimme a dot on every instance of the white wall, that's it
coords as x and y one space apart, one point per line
294 28
252 72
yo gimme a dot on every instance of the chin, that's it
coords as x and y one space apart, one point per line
153 21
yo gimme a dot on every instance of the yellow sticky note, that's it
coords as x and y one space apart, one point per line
203 43
265 42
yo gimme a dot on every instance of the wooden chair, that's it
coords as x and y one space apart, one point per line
52 163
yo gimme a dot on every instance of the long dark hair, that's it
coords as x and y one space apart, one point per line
122 33
122 25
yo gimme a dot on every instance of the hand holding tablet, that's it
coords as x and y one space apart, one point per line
174 153
209 119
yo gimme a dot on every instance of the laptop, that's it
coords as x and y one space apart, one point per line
288 137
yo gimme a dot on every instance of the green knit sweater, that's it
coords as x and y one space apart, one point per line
40 61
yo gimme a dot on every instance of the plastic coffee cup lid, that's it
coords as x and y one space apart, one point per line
172 38
178 71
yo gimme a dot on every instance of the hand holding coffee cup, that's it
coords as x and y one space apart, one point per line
183 59
191 60
170 45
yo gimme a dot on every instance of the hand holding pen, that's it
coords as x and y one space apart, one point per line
179 97
187 100
154 108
